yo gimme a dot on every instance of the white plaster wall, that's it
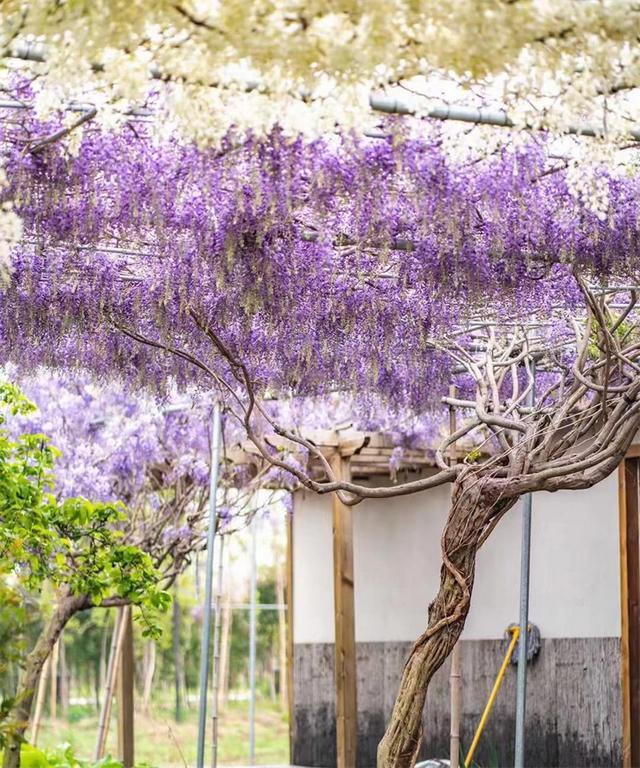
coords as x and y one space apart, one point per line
574 567
312 569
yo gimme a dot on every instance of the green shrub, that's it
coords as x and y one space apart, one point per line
31 757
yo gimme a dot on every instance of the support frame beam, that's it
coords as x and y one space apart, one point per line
345 635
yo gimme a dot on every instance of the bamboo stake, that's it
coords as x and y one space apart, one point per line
64 677
225 648
454 676
282 621
117 639
53 690
289 575
42 689
177 655
149 671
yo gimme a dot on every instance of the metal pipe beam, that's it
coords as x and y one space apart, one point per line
477 116
35 51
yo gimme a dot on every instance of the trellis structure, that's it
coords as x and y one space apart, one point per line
493 251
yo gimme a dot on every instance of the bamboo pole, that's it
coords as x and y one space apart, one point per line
53 689
253 616
117 639
149 672
42 689
282 627
225 649
177 654
64 677
290 638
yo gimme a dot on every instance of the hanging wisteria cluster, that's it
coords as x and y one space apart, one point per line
325 265
114 445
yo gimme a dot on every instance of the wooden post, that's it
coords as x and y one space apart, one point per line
629 505
455 690
345 646
125 693
289 593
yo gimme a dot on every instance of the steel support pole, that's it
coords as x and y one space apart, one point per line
252 646
216 658
208 591
521 685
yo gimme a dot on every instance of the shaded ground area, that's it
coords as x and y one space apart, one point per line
163 743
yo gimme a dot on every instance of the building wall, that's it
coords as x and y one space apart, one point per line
575 601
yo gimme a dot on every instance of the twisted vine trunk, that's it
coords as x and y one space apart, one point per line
66 607
473 507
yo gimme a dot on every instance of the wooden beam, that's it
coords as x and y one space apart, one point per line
629 505
345 645
125 693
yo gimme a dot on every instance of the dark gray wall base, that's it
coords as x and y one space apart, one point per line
573 703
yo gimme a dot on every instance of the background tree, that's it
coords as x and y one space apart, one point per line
73 544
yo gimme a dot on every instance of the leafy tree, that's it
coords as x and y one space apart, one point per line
74 544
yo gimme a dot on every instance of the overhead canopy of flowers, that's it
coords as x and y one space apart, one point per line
310 65
323 265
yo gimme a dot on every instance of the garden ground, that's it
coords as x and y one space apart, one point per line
163 743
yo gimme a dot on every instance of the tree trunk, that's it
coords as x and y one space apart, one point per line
473 509
66 607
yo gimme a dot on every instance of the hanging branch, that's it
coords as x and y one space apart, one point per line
42 144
